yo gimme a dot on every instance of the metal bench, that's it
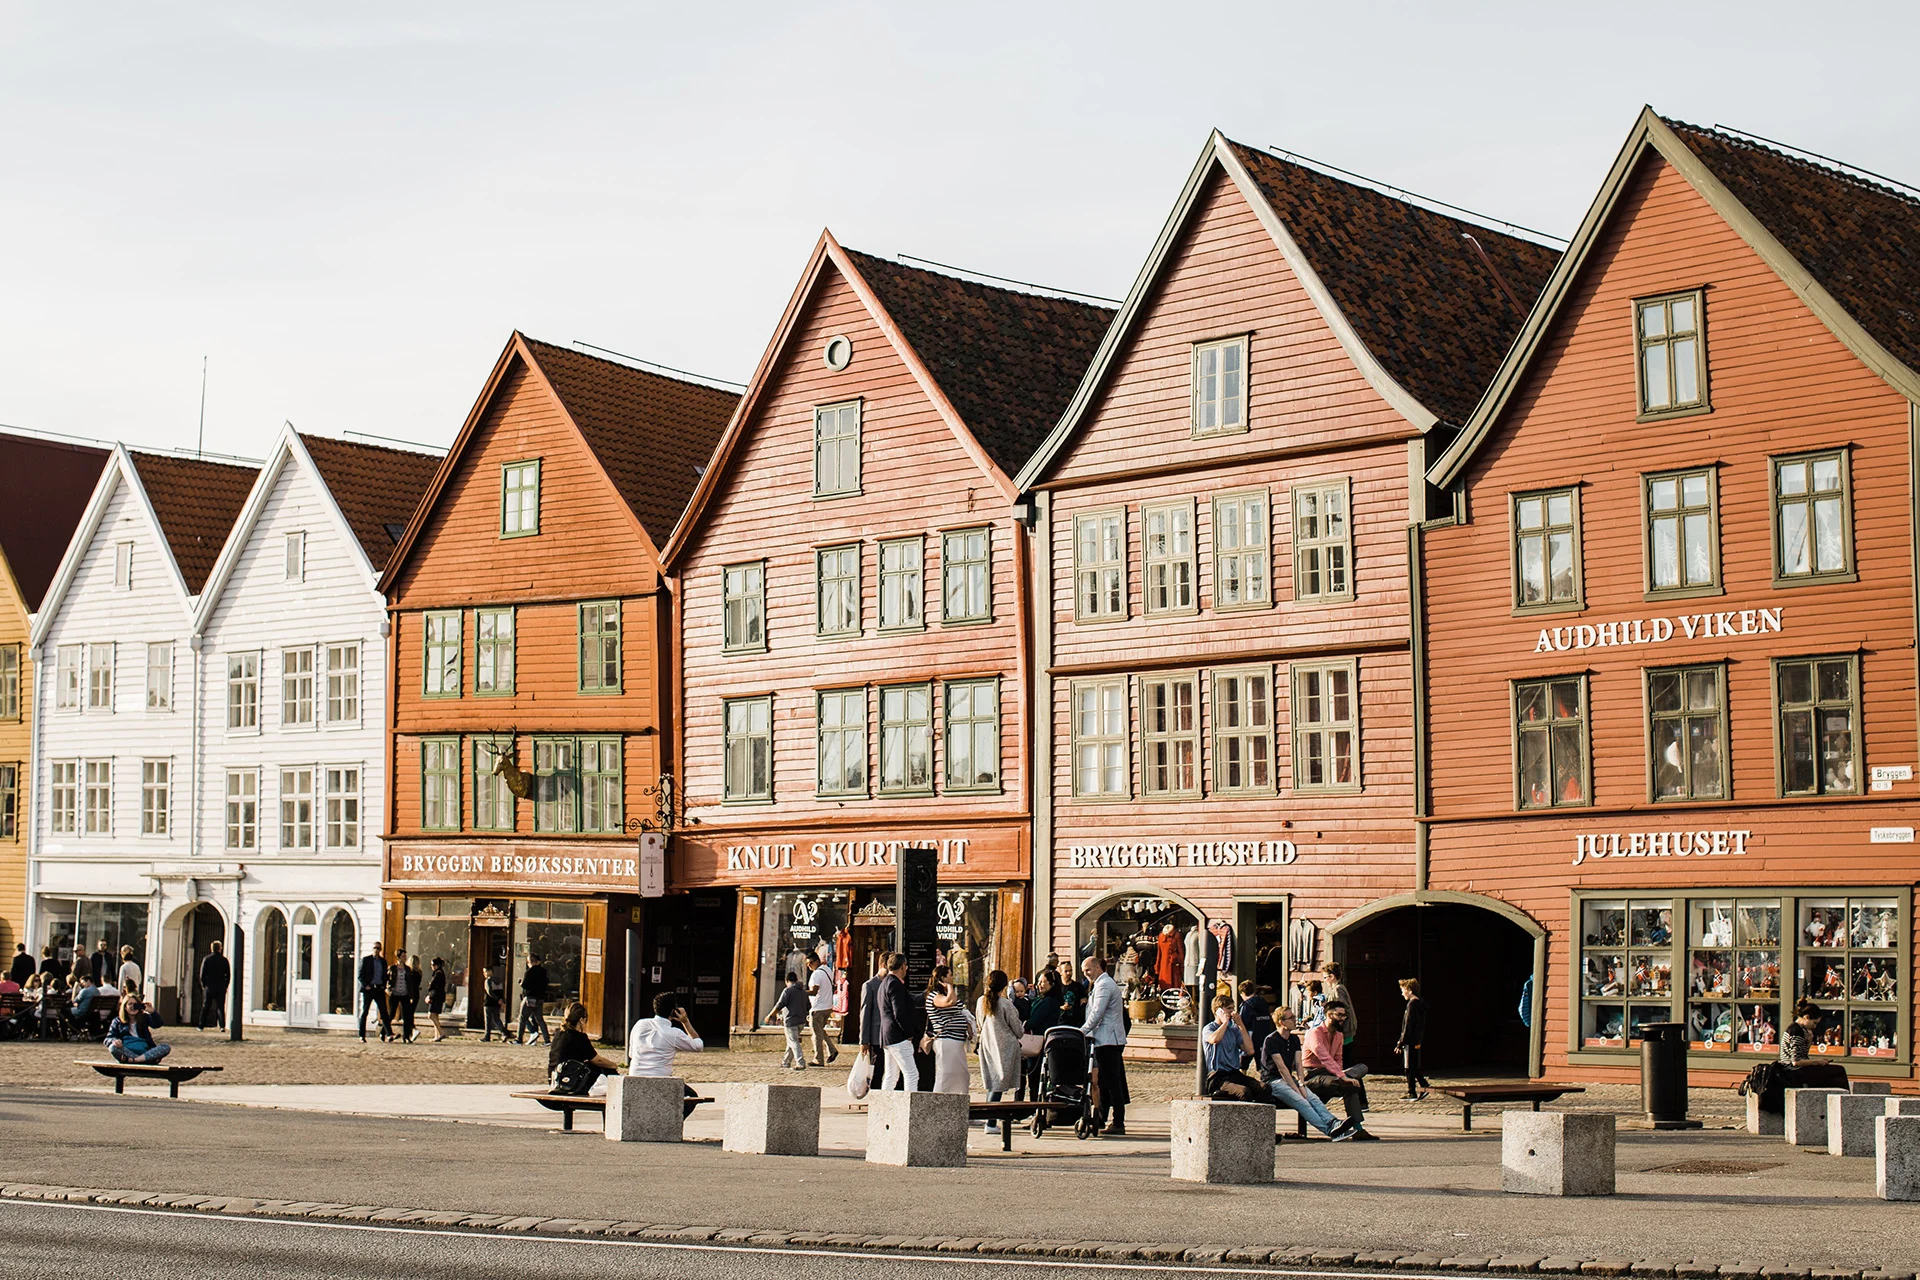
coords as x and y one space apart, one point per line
1469 1094
175 1076
568 1103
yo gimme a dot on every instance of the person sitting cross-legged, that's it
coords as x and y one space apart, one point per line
130 1038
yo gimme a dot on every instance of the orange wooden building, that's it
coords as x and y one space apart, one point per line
1670 638
530 624
854 620
1227 712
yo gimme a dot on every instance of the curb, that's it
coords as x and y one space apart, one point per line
1080 1250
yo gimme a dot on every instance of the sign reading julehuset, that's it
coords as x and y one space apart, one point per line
1660 844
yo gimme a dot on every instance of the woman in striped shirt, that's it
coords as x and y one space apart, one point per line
948 1030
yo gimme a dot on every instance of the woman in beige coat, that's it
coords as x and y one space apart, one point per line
1000 1032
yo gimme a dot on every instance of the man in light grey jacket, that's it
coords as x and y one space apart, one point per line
1106 1027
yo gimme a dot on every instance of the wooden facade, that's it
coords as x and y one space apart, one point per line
1649 874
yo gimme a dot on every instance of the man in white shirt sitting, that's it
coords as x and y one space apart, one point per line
655 1041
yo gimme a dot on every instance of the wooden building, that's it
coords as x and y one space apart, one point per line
530 641
1227 700
1670 638
44 487
854 623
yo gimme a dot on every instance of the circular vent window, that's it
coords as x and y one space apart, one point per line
839 352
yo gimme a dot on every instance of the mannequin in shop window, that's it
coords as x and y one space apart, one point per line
1171 961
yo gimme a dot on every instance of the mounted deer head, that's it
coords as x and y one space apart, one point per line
506 767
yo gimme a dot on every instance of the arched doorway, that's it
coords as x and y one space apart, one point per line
199 928
340 964
1473 962
272 987
1147 937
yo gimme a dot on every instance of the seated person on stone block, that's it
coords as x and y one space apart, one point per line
1328 1076
655 1041
1280 1068
1226 1044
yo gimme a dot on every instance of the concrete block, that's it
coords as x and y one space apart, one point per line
1806 1117
1850 1118
1903 1106
1556 1153
1228 1142
917 1130
772 1120
1768 1123
645 1108
1881 1087
1896 1157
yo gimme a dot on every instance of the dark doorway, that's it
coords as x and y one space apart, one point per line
687 947
199 931
1471 964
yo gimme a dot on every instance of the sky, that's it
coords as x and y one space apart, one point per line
346 209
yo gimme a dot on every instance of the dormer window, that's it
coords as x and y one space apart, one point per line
1673 353
1220 387
520 499
836 449
123 566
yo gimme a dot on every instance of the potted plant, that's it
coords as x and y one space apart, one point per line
1142 1004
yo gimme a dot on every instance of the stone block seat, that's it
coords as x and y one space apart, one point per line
1806 1117
1222 1142
1850 1118
772 1119
1557 1153
917 1130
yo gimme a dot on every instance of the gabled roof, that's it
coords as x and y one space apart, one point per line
997 364
1849 248
375 488
1422 302
44 487
196 503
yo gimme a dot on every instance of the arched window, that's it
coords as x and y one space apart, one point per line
340 950
273 961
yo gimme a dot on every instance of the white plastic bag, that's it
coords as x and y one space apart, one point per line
860 1078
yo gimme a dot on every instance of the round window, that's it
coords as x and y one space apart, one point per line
839 352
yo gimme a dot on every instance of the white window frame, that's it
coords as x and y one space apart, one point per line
1169 559
160 675
592 671
1243 731
440 798
1212 400
100 676
974 576
63 786
294 563
1159 698
123 566
494 656
854 619
343 684
440 654
903 586
344 783
1306 729
1102 738
743 607
243 692
96 819
834 418
156 797
1314 514
602 788
297 710
489 788
745 737
1242 556
556 785
982 733
70 677
1100 566
242 798
299 807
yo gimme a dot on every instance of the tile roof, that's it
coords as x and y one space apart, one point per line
44 488
376 488
652 434
1407 278
1858 238
197 502
1008 361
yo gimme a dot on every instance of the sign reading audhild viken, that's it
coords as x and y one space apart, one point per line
1687 626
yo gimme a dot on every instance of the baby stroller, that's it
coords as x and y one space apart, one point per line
1064 1056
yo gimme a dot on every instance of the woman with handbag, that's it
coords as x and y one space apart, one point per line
1000 1032
573 1046
948 1030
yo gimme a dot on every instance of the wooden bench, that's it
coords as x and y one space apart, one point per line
175 1076
1007 1113
1469 1094
568 1103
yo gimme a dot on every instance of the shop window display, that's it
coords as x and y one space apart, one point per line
555 932
442 929
1153 950
793 925
1852 968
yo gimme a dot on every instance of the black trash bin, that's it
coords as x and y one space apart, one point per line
1663 1075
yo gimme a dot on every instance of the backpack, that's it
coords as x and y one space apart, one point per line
571 1077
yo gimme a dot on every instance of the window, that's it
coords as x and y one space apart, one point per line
295 557
1240 551
600 785
1100 565
966 576
906 738
100 677
343 683
1220 387
99 797
1326 727
842 767
556 795
1550 731
1546 550
900 596
296 688
743 608
493 651
492 802
64 783
343 807
440 784
1243 731
1812 518
243 691
156 796
836 449
1673 353
520 499
600 647
243 809
1169 737
1100 763
1322 543
9 802
748 747
973 735
1683 551
123 566
296 808
442 655
1818 702
1167 556
160 677
838 571
1851 965
68 677
1686 707
9 682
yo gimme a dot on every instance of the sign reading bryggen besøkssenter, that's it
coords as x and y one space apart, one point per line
520 867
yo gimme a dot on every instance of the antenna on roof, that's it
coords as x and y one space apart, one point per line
1411 195
200 442
665 368
1849 169
1024 284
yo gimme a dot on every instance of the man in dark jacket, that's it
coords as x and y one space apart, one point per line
373 992
215 975
901 1022
870 1020
50 966
103 965
533 1002
22 965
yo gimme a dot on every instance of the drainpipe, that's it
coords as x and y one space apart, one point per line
36 756
1417 650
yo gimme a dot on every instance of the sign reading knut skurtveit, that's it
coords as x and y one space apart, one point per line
1198 853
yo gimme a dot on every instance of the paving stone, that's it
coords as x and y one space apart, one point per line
485 1220
661 1231
1886 1275
394 1215
841 1240
1784 1273
1007 1245
1560 1266
1739 1271
1655 1268
734 1235
272 1206
1332 1257
1606 1267
1080 1249
1424 1261
1162 1252
886 1242
1696 1270
591 1227
443 1218
959 1246
359 1212
1294 1253
522 1224
1248 1255
1126 1252
694 1233
1204 1253
1038 1248
809 1238
778 1239
1465 1263
925 1244
1834 1273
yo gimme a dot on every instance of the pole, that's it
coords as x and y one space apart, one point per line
1204 1001
237 1015
200 443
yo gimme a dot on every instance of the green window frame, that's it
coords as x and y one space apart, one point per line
743 607
599 628
1552 769
440 784
902 584
1682 528
440 654
841 746
1220 387
1100 566
1812 518
966 575
1547 573
1101 740
602 785
836 449
972 729
520 499
556 785
906 739
1243 731
747 749
1242 551
837 591
1687 733
1323 541
1169 559
494 804
1326 726
1170 736
1817 713
1671 368
493 652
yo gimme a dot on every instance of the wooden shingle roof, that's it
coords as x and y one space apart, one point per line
44 489
376 488
196 502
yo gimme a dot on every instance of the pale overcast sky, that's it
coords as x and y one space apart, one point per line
349 207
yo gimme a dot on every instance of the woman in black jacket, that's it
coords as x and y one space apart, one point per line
1413 1032
437 998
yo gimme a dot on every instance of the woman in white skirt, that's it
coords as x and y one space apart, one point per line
1000 1032
947 1033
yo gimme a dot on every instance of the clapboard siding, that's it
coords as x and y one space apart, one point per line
16 749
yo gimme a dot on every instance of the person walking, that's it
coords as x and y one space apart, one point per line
871 1042
820 994
901 1022
22 967
403 994
437 998
1106 1027
1413 1032
791 1008
494 1006
215 976
533 1002
1000 1031
1328 1076
1280 1068
1336 989
947 1032
373 992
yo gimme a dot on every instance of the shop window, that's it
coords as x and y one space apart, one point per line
906 739
1812 519
966 576
160 677
343 807
1100 566
1683 541
748 749
1170 737
837 590
600 647
1733 974
1687 732
78 926
1818 703
1326 727
273 961
1169 564
1546 551
1550 727
900 584
520 499
795 924
441 656
440 784
1243 733
836 449
1852 966
1241 551
493 651
343 684
1673 353
973 735
601 785
842 753
553 933
1626 969
556 783
1100 756
493 803
1148 941
1322 542
296 808
1220 387
437 929
743 610
296 688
